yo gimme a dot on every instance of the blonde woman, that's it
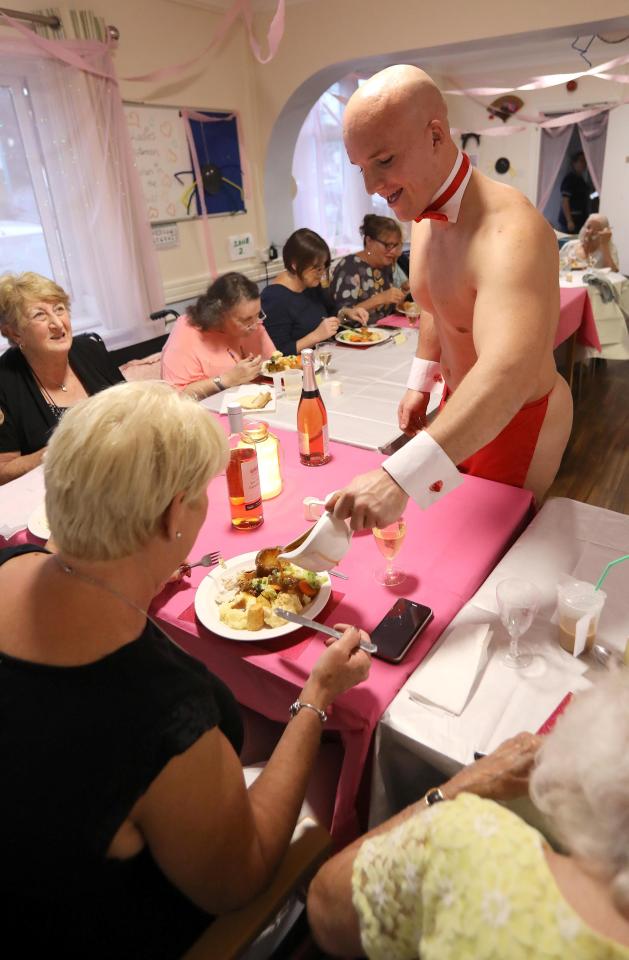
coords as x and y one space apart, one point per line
458 875
127 821
45 371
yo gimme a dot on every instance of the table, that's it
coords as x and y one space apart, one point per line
449 551
373 381
565 537
611 326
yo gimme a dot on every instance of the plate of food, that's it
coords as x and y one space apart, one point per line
278 363
257 397
37 523
362 337
236 600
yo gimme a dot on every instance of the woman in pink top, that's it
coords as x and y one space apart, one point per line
220 342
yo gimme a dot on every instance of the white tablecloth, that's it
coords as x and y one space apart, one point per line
610 322
565 537
372 379
18 499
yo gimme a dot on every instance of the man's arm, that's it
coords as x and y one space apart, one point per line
565 206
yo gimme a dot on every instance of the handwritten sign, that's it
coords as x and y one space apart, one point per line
160 150
240 247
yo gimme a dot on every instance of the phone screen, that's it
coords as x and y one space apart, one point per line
399 627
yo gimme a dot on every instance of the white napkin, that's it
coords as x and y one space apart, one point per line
249 390
18 499
447 676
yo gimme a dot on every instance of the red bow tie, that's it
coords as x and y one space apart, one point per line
431 212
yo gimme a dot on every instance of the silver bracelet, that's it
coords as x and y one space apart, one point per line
218 383
298 705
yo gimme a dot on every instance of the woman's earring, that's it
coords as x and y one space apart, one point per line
178 534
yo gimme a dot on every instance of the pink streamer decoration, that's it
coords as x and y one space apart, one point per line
207 237
239 8
60 51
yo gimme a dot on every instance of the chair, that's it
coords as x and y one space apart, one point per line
231 934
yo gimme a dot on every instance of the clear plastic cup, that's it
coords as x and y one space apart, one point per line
578 603
292 383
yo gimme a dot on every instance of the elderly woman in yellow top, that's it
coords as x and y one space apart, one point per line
126 820
467 878
45 371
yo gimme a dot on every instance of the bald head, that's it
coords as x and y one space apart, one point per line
396 130
401 94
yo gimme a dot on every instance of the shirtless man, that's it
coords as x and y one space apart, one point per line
485 266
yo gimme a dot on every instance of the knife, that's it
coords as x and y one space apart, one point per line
320 627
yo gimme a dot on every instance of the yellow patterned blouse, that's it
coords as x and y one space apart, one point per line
466 879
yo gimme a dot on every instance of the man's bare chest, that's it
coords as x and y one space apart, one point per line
441 283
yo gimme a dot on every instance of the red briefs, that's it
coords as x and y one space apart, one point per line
508 456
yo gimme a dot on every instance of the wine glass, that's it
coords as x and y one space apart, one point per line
325 356
518 602
413 312
389 539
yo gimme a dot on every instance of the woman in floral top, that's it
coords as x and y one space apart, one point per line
366 277
468 878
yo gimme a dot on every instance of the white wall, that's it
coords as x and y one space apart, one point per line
615 188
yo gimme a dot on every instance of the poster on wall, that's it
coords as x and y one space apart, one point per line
162 159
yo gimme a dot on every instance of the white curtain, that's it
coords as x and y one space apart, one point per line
593 135
331 197
555 142
91 194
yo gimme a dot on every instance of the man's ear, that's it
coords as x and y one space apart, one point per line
436 132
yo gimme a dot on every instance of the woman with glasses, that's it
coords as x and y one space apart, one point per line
220 342
300 312
367 277
45 371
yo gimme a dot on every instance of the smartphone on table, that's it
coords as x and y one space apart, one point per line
399 627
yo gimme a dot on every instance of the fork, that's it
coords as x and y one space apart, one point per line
209 560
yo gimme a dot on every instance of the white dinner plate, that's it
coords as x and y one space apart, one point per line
383 336
250 390
37 523
264 370
206 607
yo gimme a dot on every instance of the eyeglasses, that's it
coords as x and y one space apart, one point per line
321 268
251 325
389 247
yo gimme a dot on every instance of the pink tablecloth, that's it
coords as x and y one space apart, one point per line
448 552
576 314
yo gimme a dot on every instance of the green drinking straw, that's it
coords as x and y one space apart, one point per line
612 563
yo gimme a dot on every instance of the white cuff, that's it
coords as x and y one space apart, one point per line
424 374
423 470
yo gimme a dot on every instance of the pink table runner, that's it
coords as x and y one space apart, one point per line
448 552
575 314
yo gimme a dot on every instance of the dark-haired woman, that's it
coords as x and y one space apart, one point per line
220 342
366 277
300 312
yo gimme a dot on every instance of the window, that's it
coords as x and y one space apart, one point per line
331 197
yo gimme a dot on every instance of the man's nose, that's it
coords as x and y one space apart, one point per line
372 181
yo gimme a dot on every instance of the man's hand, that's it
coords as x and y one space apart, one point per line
411 413
502 775
371 500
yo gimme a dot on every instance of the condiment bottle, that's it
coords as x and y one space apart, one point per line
312 419
243 480
256 433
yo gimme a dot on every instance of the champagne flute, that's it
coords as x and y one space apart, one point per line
518 602
325 356
389 539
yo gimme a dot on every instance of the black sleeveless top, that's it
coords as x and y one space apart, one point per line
78 747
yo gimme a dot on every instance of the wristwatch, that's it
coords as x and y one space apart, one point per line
218 383
298 705
434 795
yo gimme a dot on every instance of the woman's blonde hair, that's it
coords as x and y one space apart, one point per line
17 290
581 781
117 460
